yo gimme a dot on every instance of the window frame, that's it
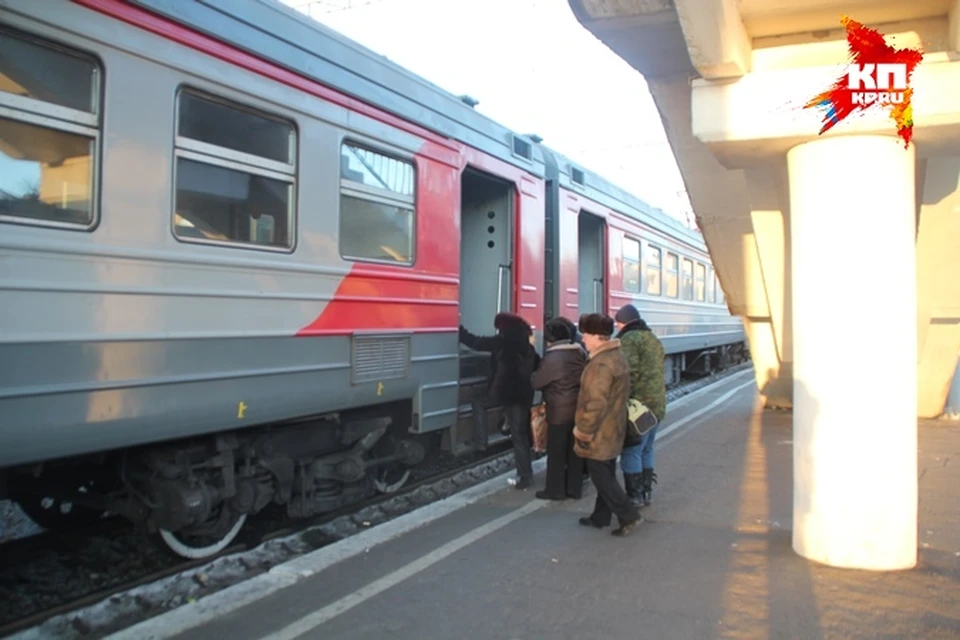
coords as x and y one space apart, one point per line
362 191
47 115
709 286
651 250
239 161
675 272
697 267
684 261
639 263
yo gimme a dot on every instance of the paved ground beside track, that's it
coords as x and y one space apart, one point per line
713 560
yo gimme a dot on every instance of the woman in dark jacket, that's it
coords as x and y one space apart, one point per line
559 378
514 361
575 336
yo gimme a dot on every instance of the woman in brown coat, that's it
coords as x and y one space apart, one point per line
601 422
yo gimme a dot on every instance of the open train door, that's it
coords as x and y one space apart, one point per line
487 251
581 259
591 263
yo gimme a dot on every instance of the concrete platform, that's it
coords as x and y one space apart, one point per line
713 559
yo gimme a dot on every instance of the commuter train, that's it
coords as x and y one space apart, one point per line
235 250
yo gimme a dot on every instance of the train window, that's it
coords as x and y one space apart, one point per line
377 196
653 270
47 73
631 265
235 174
686 282
671 274
234 127
700 282
49 133
710 282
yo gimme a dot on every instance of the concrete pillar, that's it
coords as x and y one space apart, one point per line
952 408
853 218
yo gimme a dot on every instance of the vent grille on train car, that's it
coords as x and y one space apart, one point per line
380 358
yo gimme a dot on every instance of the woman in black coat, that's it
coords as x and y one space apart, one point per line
513 362
559 378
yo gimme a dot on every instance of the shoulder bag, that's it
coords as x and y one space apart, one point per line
640 420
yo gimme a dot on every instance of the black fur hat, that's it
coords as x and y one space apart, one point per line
508 322
596 324
557 330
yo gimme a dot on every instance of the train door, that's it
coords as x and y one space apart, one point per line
486 275
591 263
566 260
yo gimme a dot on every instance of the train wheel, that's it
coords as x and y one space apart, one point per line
55 514
391 479
392 476
209 539
37 497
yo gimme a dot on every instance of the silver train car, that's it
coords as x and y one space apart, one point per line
235 249
622 251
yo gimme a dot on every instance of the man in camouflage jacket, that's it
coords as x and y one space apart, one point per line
645 357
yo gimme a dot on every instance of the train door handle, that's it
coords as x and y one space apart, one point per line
500 270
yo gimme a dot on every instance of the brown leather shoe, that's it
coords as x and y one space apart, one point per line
626 527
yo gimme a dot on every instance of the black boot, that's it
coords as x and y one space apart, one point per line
646 492
632 484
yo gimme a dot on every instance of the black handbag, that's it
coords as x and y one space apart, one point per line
640 420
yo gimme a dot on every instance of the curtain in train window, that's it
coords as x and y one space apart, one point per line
700 282
653 270
672 274
686 283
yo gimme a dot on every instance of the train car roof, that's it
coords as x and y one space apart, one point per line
286 37
276 32
603 191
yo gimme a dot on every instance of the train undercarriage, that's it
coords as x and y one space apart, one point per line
197 494
701 363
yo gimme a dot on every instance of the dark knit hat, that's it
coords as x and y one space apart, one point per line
512 325
596 324
570 326
627 313
509 322
556 330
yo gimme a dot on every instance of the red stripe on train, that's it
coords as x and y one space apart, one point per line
364 301
393 298
422 298
144 19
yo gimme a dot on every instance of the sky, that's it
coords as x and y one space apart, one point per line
534 69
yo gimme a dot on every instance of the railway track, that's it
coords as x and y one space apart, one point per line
51 574
106 577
